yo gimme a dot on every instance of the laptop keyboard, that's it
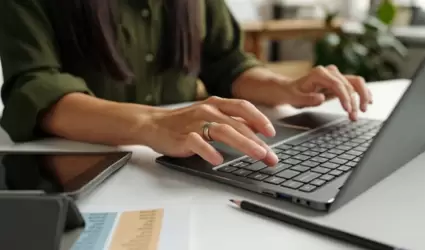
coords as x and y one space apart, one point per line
311 161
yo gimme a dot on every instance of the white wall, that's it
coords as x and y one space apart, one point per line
249 10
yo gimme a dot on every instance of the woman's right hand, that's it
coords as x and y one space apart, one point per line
179 132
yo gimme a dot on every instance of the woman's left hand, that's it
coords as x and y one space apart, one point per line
323 83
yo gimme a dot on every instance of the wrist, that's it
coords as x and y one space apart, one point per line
143 127
262 86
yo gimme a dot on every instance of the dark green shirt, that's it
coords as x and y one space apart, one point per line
35 79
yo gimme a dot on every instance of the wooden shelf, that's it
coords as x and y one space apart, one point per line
256 33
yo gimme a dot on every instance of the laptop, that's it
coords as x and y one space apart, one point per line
326 166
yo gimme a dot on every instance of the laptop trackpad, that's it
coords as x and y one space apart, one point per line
308 120
299 123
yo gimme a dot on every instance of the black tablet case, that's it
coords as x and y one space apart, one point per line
37 221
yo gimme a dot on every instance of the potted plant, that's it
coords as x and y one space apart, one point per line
371 53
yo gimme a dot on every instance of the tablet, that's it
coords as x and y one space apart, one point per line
72 174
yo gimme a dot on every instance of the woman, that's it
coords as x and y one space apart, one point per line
95 70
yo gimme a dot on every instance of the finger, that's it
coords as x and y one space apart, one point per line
354 107
326 79
228 135
247 111
245 130
354 113
243 121
360 87
202 148
370 96
215 115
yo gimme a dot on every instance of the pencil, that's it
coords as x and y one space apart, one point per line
304 224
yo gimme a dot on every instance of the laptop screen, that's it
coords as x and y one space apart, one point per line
52 172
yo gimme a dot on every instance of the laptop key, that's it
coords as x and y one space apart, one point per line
276 169
336 151
347 156
320 150
292 152
310 153
258 176
354 152
239 164
327 155
351 144
310 164
330 165
274 180
319 159
338 161
249 160
277 150
292 184
317 182
321 170
351 164
242 172
288 174
308 145
360 149
307 188
291 161
343 147
284 147
357 159
300 168
256 166
336 172
344 168
302 157
307 177
283 156
300 148
337 142
358 140
327 145
227 169
327 177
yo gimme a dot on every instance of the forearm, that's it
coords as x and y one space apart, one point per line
85 118
261 86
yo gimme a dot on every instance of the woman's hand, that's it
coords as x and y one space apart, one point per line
262 86
180 133
323 83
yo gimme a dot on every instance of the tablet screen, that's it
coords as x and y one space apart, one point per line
52 172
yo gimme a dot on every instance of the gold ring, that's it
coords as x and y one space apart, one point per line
206 130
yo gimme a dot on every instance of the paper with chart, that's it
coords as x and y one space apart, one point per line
147 229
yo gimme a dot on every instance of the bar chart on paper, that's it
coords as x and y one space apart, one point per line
150 229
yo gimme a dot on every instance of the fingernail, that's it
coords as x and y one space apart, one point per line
364 107
270 130
348 106
274 157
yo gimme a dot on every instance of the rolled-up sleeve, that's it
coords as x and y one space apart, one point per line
223 56
33 80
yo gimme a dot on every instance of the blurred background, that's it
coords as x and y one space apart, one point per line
377 39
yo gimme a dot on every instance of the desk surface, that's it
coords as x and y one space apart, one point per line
392 211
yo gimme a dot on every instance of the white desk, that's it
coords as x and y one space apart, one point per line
392 211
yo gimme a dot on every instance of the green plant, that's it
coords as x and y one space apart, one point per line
371 53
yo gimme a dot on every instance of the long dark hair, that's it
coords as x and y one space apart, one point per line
87 31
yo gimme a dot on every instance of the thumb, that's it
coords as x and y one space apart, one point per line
311 99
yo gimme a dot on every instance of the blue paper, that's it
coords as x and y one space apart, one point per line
97 231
